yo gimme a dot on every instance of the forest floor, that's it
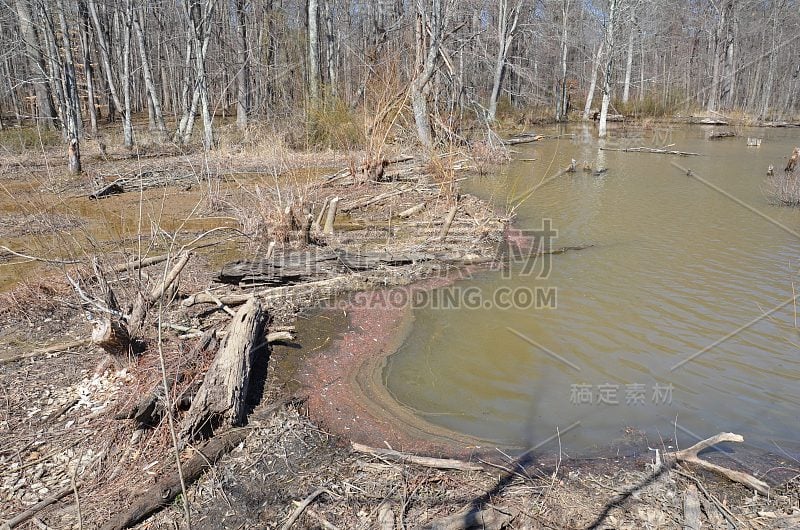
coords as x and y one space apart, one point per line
69 463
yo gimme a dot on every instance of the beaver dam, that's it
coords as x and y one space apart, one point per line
351 341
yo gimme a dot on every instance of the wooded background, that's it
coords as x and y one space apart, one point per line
76 64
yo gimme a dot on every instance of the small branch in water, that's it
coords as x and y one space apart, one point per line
650 150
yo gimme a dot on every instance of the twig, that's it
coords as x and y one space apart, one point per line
35 258
220 304
301 507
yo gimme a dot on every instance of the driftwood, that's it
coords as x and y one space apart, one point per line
690 456
139 263
222 398
166 489
523 139
447 222
721 135
414 210
436 463
650 150
488 519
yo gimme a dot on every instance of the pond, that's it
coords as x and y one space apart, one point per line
679 320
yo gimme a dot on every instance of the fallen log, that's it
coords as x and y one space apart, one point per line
222 397
690 456
425 461
166 489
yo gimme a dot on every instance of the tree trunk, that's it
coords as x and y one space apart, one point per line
222 398
313 51
72 115
506 27
127 118
561 106
626 88
154 100
608 73
595 67
427 57
88 68
331 55
105 61
238 14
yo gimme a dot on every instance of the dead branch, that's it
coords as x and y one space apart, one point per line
301 507
436 463
690 456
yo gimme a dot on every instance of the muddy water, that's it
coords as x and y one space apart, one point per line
677 321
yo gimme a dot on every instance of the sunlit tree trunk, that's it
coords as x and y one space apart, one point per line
147 72
561 106
626 87
593 83
238 18
313 51
72 114
507 21
602 127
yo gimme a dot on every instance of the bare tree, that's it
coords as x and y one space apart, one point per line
27 27
429 33
507 21
612 7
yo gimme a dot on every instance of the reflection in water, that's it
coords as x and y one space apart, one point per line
663 318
